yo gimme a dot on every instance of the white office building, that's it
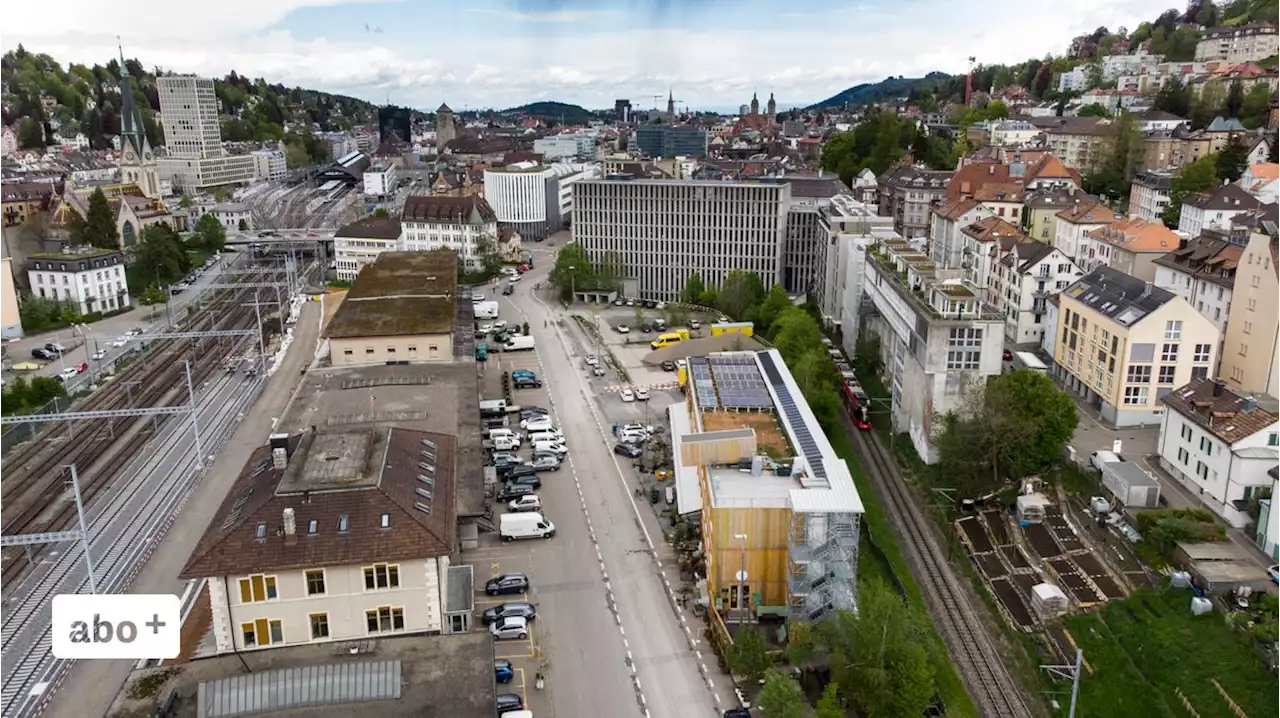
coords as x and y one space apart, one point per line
94 281
662 232
380 181
462 224
535 200
569 146
193 138
269 165
851 227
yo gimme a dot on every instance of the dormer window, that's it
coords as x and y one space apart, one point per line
385 521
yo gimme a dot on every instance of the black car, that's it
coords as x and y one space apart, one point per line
630 451
507 583
515 491
646 328
669 365
39 353
517 472
737 713
508 290
509 702
519 609
525 382
525 480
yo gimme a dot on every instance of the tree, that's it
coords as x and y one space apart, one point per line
1235 99
749 656
829 704
1256 107
1210 103
160 254
997 110
781 696
30 134
153 296
100 226
185 202
1195 177
295 155
1232 159
1125 153
1174 98
573 271
243 225
490 257
1094 78
381 213
210 235
774 304
38 314
1094 109
693 290
221 194
76 228
740 292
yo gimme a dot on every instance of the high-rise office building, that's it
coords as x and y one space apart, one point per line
671 140
193 138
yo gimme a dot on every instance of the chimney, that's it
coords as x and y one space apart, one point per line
1248 404
1217 388
290 528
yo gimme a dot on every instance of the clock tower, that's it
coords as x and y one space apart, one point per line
137 161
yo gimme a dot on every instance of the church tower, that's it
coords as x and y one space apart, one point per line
755 105
446 130
671 104
773 109
137 162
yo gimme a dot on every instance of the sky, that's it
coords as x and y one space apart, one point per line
474 54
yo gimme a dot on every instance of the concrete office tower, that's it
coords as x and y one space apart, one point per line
190 110
663 231
446 130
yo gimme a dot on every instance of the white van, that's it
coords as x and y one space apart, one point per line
546 437
552 447
1099 458
508 434
505 443
531 524
538 424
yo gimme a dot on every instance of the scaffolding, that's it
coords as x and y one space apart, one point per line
822 558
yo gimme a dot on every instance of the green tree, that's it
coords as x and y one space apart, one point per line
243 225
1093 109
1256 107
39 314
829 704
221 194
185 202
209 234
1093 77
490 257
997 110
76 228
1235 99
1125 152
381 212
160 254
781 696
1181 45
30 134
749 656
775 303
100 226
795 333
573 271
1195 177
693 289
1210 103
295 155
740 292
1174 98
1232 159
153 296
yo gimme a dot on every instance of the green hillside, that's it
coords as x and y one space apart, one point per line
558 111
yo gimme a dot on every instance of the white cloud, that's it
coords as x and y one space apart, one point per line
560 16
801 61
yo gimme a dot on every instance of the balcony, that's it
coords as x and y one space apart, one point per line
949 299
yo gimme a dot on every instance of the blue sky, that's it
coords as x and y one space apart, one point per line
501 53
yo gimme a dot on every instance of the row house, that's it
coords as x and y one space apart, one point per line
1246 74
1261 181
1129 245
1123 345
1040 211
1075 222
985 244
946 243
1251 349
1149 194
907 194
1019 173
1203 271
1213 209
1221 445
1030 273
1081 142
1239 43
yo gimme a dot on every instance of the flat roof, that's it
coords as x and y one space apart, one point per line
399 294
1213 551
688 493
733 488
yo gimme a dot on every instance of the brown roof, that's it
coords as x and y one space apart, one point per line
1000 192
400 293
1089 211
360 475
994 228
1138 235
472 209
1221 411
518 156
955 209
1049 167
1214 260
372 228
1097 126
970 178
27 191
1224 197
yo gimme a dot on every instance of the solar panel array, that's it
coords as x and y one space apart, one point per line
739 383
700 373
808 446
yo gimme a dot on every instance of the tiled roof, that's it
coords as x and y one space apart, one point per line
1029 255
1138 235
247 534
448 210
1089 211
1096 126
819 187
26 191
372 228
1265 170
1227 415
1214 260
992 229
1000 192
1224 197
955 209
1049 167
1118 296
973 176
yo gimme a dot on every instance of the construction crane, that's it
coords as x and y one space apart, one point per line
968 81
656 99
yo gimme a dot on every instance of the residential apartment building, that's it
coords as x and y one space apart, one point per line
803 250
1203 271
1081 217
193 137
851 227
1040 211
1129 245
1029 274
1262 180
664 231
1213 209
671 140
359 243
10 316
1081 142
535 200
1251 349
332 536
467 225
986 242
907 194
1149 194
1240 43
1123 345
93 281
1011 133
269 165
937 339
781 542
1221 445
571 147
946 243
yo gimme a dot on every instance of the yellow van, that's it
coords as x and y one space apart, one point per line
666 340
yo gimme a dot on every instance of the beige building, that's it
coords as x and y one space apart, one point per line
333 537
1123 345
1076 221
10 318
1081 142
401 309
1241 43
1250 350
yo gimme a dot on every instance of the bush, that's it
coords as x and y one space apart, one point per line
1165 528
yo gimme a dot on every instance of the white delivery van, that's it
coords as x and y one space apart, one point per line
546 437
508 434
516 344
553 447
486 310
494 407
1100 458
506 443
530 524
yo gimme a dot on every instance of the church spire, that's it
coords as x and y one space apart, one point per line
671 103
124 69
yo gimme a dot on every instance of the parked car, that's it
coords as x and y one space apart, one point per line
546 463
642 394
82 367
628 395
631 451
121 341
528 502
40 353
553 455
525 480
56 348
646 428
525 382
531 409
598 370
646 328
633 437
507 583
506 457
512 628
67 374
592 360
100 355
737 713
622 329
511 492
669 365
1274 572
509 702
510 609
537 423
502 671
631 302
507 472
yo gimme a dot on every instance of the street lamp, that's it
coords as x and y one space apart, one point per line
742 578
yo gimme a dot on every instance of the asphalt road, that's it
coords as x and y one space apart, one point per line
613 547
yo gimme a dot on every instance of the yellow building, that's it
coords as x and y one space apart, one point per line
400 310
1123 344
1040 212
1250 351
10 317
780 513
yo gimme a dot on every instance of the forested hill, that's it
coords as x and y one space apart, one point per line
558 111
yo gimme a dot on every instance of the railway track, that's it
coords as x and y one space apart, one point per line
35 496
975 655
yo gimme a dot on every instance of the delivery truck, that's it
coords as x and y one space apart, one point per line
744 328
525 525
486 310
518 344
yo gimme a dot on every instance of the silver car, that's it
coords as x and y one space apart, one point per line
510 628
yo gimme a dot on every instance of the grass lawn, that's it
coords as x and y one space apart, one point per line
1145 646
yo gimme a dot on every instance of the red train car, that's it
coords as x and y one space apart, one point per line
856 402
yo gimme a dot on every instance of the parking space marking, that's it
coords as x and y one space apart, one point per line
510 656
499 600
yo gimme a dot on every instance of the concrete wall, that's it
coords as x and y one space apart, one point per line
10 320
381 350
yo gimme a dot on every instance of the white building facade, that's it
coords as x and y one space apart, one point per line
93 282
1149 195
462 224
269 165
535 200
193 137
851 226
380 181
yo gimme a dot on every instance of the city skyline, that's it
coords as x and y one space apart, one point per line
501 53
